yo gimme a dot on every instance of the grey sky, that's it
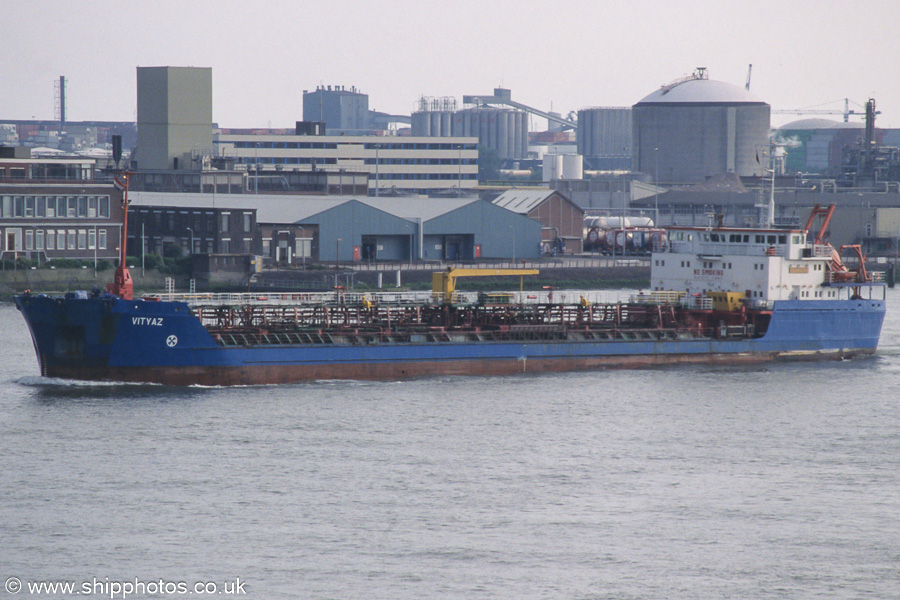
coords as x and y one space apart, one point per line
567 55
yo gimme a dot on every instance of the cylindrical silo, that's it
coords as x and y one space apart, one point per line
525 125
420 124
696 128
492 131
604 135
552 167
503 130
503 147
517 134
580 138
435 123
572 166
446 118
458 124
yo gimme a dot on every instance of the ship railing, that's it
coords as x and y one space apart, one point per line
394 298
545 297
629 262
571 297
455 298
560 262
296 298
729 249
696 302
850 277
822 250
756 303
663 297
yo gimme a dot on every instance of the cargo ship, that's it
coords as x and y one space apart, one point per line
718 295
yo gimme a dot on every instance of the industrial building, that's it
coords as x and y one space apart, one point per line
75 220
502 130
346 111
609 192
695 127
561 220
175 133
820 146
418 165
211 230
174 117
296 229
339 108
17 165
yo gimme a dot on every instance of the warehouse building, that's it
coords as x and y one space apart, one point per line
298 229
562 221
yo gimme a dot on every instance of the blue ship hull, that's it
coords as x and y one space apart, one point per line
110 339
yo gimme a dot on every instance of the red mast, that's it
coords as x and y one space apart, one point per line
122 285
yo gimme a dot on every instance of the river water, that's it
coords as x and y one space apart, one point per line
775 481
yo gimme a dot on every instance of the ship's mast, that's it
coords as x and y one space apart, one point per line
767 219
771 211
122 285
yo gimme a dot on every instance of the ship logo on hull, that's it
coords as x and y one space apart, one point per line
172 341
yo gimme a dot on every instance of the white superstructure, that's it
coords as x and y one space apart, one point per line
765 264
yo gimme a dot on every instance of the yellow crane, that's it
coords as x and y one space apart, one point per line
443 283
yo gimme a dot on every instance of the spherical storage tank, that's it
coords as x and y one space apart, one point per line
695 128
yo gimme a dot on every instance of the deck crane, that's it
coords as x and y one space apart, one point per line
443 283
839 271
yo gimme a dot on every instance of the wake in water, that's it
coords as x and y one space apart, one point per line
51 388
55 382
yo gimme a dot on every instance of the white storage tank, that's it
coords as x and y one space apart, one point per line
572 166
696 128
553 165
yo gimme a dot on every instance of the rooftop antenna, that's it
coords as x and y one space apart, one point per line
749 70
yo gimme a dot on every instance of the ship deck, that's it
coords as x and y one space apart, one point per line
335 319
